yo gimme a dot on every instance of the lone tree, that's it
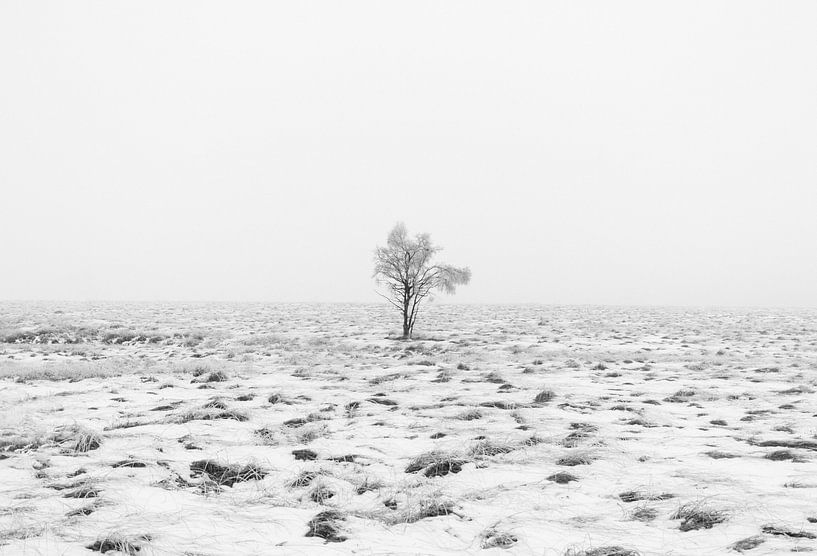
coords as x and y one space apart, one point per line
404 267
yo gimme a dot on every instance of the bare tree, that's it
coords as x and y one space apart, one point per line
405 269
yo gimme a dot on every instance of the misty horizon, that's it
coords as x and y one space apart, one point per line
637 154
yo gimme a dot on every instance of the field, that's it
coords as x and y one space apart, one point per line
213 429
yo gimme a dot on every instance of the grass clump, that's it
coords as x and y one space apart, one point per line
213 376
226 475
493 538
784 532
470 415
636 496
572 460
748 543
435 464
119 543
425 508
562 478
209 414
603 551
716 454
77 438
782 455
544 396
698 516
643 513
490 448
327 525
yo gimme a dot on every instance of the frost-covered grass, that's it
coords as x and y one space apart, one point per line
254 429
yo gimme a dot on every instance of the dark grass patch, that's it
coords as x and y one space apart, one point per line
544 396
781 455
305 454
604 551
636 496
680 396
430 508
803 444
210 414
644 514
129 463
573 460
490 448
719 422
748 543
437 461
500 404
382 401
386 378
83 511
437 435
562 478
639 422
226 475
327 525
119 543
245 397
715 454
493 538
783 532
797 390
469 415
77 438
442 468
348 458
215 376
697 516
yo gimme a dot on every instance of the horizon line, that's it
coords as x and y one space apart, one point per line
447 303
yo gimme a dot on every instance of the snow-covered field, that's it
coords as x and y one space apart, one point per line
308 429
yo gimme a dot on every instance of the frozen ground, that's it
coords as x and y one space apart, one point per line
307 429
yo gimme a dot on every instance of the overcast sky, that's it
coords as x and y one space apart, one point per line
568 152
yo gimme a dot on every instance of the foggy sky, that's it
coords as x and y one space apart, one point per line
568 152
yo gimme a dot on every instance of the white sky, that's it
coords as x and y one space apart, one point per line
569 152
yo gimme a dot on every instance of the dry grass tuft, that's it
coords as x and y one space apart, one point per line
490 448
748 543
77 438
469 415
544 396
603 551
327 525
116 542
226 475
698 516
493 538
435 464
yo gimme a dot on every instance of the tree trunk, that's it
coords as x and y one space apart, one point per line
406 323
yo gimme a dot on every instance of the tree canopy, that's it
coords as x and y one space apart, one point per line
405 268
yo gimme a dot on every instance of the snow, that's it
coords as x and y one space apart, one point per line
754 369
